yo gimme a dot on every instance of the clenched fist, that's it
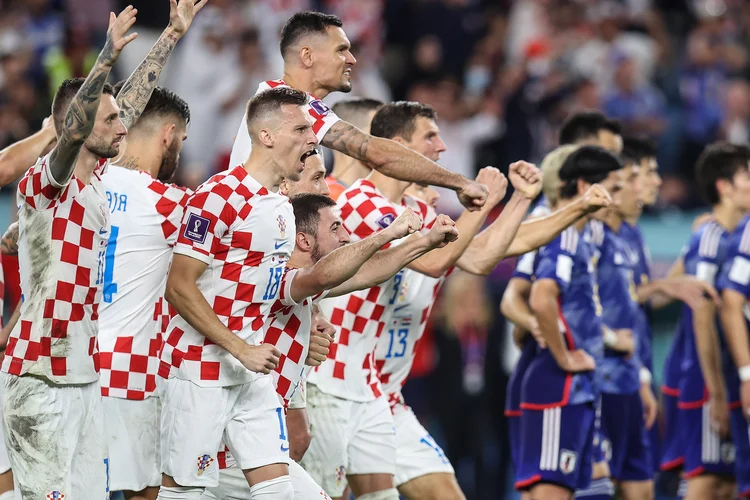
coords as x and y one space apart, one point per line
473 195
321 336
260 358
596 197
405 224
526 179
496 183
443 231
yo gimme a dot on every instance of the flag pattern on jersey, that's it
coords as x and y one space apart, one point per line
359 316
230 224
55 495
65 229
145 214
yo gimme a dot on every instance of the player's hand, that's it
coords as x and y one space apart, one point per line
443 231
117 37
526 179
181 15
689 290
473 195
625 342
322 335
596 198
536 332
650 406
260 358
496 183
719 415
48 125
577 361
405 224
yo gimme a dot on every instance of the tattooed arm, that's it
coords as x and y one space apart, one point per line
138 88
394 160
79 120
9 245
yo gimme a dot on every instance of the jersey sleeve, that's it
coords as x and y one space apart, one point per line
525 266
555 262
735 274
207 218
38 188
170 205
707 265
323 117
365 215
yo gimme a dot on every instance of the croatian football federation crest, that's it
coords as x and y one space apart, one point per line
55 495
340 473
282 225
204 462
567 461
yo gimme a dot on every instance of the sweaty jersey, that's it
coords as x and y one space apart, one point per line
145 214
63 231
245 235
321 116
360 317
568 260
616 265
642 276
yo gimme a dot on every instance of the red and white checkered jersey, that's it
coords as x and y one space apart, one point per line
245 234
63 231
320 115
361 316
145 215
288 328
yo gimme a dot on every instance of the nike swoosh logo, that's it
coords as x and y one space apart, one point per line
397 309
284 448
102 231
279 245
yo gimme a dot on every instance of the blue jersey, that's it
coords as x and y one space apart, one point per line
643 333
616 263
703 258
735 275
568 261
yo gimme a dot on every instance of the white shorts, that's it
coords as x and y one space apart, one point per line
133 437
55 438
348 437
4 460
248 417
233 485
417 454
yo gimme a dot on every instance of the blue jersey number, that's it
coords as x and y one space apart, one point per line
282 429
274 280
110 287
396 287
401 333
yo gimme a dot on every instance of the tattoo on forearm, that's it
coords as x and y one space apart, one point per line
137 90
348 139
9 245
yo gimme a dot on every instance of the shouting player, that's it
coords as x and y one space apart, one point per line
318 61
51 400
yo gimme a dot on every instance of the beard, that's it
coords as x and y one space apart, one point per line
169 163
102 148
316 254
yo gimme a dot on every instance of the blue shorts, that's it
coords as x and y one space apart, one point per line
601 445
514 437
556 447
705 451
672 446
741 438
624 428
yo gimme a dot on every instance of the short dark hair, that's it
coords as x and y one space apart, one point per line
586 125
307 208
270 101
65 94
589 163
162 103
354 110
397 119
305 23
720 160
636 149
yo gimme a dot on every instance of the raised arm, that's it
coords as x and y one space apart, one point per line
79 120
19 156
138 88
399 162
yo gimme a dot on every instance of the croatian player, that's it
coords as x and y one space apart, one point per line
559 392
52 405
723 177
318 61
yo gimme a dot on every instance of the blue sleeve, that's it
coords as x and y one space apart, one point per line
525 266
555 263
735 274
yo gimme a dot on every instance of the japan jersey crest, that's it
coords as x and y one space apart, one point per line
282 225
204 462
567 461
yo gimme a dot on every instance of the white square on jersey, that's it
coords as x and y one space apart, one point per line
564 268
740 271
705 271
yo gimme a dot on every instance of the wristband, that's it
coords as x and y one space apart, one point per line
645 376
744 372
610 337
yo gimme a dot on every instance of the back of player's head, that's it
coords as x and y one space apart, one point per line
357 111
636 149
303 24
551 165
65 94
719 161
585 125
264 105
307 209
588 163
163 104
399 119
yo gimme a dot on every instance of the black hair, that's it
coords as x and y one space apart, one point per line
302 24
589 163
398 119
720 160
271 100
636 149
162 103
65 94
586 125
307 208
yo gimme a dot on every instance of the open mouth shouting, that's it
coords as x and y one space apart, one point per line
305 156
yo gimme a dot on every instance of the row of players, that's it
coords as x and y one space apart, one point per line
580 399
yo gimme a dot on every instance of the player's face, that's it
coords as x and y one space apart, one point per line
108 132
627 199
312 180
424 193
426 139
331 234
741 189
294 142
650 181
610 141
335 60
171 157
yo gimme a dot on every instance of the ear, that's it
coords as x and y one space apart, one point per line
168 133
304 242
265 137
306 56
284 187
399 140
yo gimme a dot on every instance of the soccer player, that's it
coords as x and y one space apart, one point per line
318 61
723 177
591 128
52 405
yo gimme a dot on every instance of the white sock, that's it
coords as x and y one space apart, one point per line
179 493
8 495
279 488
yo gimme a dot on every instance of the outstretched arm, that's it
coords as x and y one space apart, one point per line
399 162
18 157
79 120
137 90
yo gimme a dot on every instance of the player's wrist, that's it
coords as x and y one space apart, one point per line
744 373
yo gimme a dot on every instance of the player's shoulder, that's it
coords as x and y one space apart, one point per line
233 183
707 239
741 236
270 84
363 192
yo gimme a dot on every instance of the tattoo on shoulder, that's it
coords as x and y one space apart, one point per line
9 245
347 139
